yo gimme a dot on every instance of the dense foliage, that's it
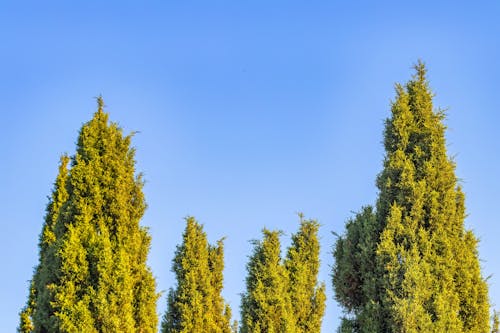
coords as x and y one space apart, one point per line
284 295
92 274
411 266
196 304
302 265
406 265
266 306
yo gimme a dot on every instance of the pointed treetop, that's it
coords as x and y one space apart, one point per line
411 265
92 274
421 71
100 114
100 103
301 216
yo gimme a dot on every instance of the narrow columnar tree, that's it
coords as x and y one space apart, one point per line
266 304
196 304
92 274
302 264
415 268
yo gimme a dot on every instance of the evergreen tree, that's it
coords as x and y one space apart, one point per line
415 268
266 306
302 264
196 305
92 274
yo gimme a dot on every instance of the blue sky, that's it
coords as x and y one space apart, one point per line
248 113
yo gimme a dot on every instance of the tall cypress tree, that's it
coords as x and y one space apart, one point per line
266 305
196 305
302 264
415 267
92 274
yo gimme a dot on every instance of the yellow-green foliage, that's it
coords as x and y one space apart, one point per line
92 274
302 264
196 305
266 306
284 296
412 266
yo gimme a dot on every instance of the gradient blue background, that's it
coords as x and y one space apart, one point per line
248 113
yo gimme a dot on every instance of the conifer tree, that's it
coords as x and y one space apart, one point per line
411 266
196 305
92 274
266 305
302 265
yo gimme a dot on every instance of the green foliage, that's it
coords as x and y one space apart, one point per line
92 274
411 266
266 306
284 295
302 265
355 275
196 305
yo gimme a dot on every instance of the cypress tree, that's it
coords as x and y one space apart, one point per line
92 274
415 267
302 265
266 305
196 305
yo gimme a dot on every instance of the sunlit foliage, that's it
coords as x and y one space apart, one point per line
284 295
411 266
92 274
196 304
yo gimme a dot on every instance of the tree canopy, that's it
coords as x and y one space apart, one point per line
284 295
196 304
92 274
411 265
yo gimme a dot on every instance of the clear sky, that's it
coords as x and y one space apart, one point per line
248 112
